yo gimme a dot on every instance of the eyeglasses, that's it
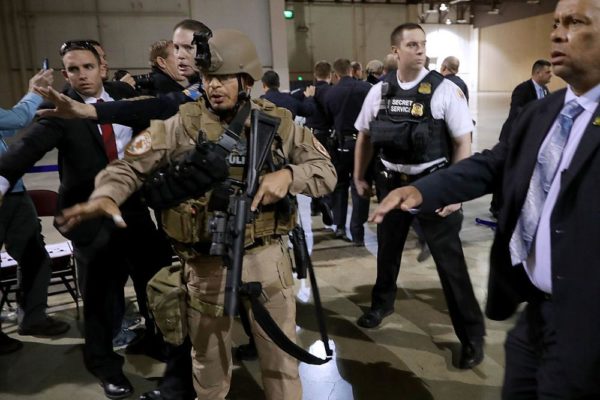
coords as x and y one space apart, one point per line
221 78
71 45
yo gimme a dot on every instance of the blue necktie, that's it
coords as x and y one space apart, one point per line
540 93
545 169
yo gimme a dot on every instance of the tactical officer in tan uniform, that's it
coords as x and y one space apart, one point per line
235 67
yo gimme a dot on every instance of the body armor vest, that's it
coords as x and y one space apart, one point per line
404 130
187 223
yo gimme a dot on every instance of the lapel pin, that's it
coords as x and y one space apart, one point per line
596 121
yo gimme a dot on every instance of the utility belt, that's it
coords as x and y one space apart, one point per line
396 178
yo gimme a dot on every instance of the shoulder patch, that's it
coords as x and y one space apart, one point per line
320 148
140 145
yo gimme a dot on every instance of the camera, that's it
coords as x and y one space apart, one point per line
202 57
144 81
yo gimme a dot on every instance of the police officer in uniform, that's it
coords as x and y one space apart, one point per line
234 68
343 104
418 122
321 126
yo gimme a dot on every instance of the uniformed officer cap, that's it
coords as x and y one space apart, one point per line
232 52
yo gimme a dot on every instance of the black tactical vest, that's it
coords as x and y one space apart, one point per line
404 131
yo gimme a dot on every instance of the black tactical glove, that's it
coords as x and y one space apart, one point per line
197 173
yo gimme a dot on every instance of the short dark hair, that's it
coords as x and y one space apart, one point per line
81 44
191 25
342 66
271 79
356 66
539 64
397 33
322 69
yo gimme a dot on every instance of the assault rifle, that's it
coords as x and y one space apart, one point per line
229 228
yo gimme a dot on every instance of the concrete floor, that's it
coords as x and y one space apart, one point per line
409 357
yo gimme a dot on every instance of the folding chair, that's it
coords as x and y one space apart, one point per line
61 255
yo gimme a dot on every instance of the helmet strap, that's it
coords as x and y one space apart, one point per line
243 95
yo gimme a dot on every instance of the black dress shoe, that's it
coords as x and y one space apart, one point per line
340 233
152 395
48 327
373 318
471 354
117 387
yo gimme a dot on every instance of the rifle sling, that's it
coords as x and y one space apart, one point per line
266 322
319 309
232 134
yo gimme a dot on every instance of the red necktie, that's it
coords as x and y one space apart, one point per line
108 136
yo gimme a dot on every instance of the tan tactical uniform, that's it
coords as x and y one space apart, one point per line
268 263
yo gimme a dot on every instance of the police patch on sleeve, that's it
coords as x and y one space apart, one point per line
140 145
320 148
460 93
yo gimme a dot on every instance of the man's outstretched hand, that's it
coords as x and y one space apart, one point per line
66 107
99 207
405 198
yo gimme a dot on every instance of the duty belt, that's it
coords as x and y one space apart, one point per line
406 178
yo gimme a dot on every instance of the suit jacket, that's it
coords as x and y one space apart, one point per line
81 156
575 229
523 94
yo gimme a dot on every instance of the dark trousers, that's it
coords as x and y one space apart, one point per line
533 367
442 236
177 382
20 232
106 262
344 166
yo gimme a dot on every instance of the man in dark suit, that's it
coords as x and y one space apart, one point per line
85 148
528 91
545 251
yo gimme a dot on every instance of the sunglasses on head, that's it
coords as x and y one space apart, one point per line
71 45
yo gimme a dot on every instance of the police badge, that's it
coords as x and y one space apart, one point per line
416 110
425 88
